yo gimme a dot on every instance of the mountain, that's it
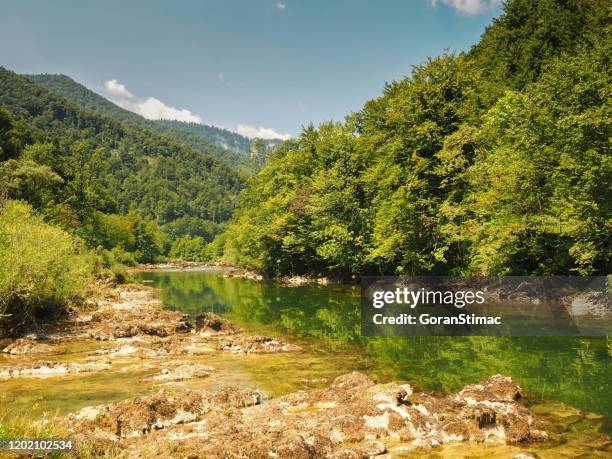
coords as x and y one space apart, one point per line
203 141
112 164
222 137
220 143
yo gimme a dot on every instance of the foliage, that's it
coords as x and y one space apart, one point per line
539 192
13 136
495 161
41 266
449 171
123 166
114 184
189 249
19 424
516 46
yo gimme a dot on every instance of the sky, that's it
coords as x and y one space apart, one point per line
257 67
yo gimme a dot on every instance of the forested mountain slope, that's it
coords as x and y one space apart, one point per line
515 48
84 171
218 143
494 162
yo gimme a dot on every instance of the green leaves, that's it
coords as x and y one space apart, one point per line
449 171
41 266
539 192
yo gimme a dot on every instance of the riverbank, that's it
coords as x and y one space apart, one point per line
174 412
177 265
229 271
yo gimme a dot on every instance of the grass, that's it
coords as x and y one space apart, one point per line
19 425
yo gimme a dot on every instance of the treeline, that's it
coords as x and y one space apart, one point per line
493 162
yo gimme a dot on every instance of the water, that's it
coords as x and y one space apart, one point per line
325 321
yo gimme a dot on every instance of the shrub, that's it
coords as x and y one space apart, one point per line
42 267
189 249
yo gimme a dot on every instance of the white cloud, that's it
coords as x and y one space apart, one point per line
281 5
221 78
148 107
154 109
469 7
260 132
115 88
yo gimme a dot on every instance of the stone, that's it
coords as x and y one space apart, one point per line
27 346
354 417
214 324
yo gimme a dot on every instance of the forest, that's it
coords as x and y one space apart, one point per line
495 161
492 162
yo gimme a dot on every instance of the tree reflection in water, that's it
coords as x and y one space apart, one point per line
574 370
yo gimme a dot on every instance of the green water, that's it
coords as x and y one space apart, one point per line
325 321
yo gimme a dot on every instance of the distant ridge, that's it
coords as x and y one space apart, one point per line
220 143
137 167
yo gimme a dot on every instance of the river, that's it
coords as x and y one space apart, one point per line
324 320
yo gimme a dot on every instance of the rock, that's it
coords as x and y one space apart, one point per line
244 274
373 448
49 369
26 346
296 281
255 345
353 418
154 330
347 454
183 371
141 415
129 312
151 329
314 381
237 398
403 395
210 323
88 413
352 380
496 387
183 326
125 331
123 351
593 303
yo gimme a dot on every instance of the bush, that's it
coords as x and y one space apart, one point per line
189 249
120 256
42 267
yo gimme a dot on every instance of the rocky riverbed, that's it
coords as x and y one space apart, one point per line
352 418
176 415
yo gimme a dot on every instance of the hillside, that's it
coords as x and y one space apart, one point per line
493 162
99 165
222 137
219 143
516 46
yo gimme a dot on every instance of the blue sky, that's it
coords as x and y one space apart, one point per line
245 65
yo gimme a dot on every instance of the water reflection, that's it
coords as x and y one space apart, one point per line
574 370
